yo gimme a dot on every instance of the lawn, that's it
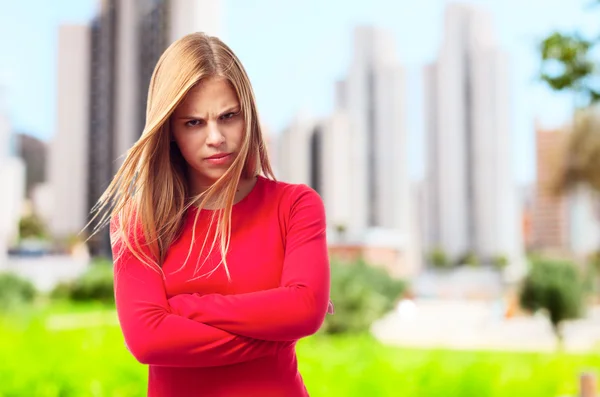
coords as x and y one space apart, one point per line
78 351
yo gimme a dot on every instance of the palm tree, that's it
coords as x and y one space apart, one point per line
568 65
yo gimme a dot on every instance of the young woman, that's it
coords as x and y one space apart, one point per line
219 269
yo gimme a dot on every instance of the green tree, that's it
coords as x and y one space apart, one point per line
556 288
31 226
569 63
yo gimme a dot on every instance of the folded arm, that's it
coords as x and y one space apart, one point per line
294 310
157 336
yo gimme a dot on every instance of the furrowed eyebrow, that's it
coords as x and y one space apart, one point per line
190 117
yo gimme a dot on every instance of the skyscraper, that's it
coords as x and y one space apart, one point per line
126 40
471 195
316 152
356 157
68 157
372 96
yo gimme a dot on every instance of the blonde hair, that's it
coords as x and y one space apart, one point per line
149 195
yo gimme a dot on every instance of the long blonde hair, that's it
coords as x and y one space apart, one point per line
149 195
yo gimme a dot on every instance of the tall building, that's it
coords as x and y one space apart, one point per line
357 158
126 40
372 95
366 136
294 150
33 151
563 223
316 152
550 221
471 195
68 158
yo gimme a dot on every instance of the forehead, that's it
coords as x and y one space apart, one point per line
211 95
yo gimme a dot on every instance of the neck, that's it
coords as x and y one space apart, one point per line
244 187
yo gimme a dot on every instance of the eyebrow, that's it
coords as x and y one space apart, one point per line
190 117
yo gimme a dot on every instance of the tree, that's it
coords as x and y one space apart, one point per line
569 64
556 288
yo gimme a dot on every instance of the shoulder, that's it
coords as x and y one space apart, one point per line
297 205
290 195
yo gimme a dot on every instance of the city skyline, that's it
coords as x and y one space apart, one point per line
297 51
104 72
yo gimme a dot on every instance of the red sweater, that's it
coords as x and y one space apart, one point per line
207 336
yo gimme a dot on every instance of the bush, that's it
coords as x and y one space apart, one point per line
31 226
438 259
555 287
361 294
95 285
468 259
499 262
14 291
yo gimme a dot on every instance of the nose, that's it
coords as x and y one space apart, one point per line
215 138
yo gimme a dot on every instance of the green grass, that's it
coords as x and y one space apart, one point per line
84 360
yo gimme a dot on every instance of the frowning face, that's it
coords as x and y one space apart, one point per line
208 128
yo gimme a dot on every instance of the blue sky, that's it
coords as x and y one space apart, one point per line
295 51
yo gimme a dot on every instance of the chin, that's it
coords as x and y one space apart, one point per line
213 175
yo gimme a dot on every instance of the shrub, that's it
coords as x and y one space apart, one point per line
31 226
94 285
555 287
499 262
438 259
468 259
15 291
361 294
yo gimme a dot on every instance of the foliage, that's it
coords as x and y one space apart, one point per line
14 291
569 64
556 288
469 259
582 157
500 261
31 226
361 294
438 259
94 285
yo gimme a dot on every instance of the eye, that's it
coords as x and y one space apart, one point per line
229 115
193 123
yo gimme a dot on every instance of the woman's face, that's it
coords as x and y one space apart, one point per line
208 127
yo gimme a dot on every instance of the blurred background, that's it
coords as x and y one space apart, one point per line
456 146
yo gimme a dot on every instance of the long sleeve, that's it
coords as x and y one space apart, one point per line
156 336
294 310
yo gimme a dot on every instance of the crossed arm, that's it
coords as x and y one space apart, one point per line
193 330
295 309
157 336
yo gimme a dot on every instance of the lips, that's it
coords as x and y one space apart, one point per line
218 156
219 159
